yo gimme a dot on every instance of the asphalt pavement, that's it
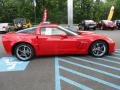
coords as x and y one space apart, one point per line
66 72
2 51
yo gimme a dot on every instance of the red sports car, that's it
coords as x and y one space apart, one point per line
52 39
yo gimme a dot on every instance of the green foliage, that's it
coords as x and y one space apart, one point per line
57 10
117 10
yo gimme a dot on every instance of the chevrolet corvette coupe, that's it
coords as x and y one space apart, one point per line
52 39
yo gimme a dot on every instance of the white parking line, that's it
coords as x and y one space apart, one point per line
117 49
114 57
91 78
83 87
103 59
100 64
90 68
117 54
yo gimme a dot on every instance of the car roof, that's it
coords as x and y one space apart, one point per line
107 21
89 21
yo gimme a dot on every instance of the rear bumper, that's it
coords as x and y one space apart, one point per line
90 26
3 29
109 27
6 45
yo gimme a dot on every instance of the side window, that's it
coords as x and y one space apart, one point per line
43 31
52 31
46 31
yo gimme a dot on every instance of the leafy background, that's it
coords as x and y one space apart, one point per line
57 10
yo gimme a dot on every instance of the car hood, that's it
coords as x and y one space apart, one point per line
93 36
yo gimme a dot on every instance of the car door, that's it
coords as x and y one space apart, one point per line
68 44
56 41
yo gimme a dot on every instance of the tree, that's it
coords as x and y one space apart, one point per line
117 10
57 10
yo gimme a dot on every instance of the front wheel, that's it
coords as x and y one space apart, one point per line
98 49
24 52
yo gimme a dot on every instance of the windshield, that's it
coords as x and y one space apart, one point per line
90 22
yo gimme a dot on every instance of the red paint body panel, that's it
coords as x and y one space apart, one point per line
54 45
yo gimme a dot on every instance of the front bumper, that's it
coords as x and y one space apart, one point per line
112 48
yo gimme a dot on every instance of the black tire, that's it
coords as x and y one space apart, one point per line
98 49
24 52
85 28
94 28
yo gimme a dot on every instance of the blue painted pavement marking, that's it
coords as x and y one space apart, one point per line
84 60
57 73
91 78
83 87
103 59
58 77
90 68
117 49
114 57
12 64
116 54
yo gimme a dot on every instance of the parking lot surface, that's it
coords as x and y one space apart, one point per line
88 73
66 72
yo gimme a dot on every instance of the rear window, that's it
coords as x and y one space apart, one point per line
28 30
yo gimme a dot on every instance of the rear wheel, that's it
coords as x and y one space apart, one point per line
98 49
24 52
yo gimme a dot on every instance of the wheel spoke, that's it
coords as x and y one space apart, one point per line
97 52
99 49
20 51
24 52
